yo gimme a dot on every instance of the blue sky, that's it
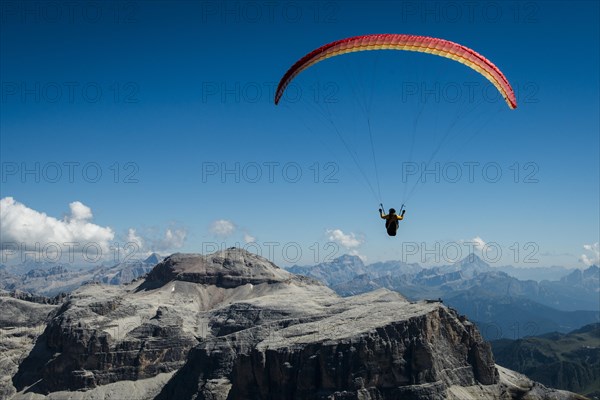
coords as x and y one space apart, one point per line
130 115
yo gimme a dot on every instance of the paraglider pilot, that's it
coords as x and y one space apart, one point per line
391 220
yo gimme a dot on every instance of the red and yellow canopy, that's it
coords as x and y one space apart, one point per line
424 44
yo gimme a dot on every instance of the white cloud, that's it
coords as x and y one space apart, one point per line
173 239
594 258
153 240
349 241
222 227
27 227
80 211
249 238
478 242
133 237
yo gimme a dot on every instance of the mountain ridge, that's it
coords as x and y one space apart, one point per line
240 327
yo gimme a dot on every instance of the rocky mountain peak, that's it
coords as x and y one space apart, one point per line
472 261
226 268
153 259
348 259
589 277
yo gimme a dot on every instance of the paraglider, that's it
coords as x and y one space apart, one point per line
415 43
391 220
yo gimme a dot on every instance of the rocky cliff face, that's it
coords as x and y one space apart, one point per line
232 325
21 322
376 346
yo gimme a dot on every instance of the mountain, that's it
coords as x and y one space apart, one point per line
568 361
153 259
392 268
358 285
125 272
21 323
346 268
580 290
341 269
502 305
50 279
511 317
234 326
538 274
468 267
577 291
29 265
588 278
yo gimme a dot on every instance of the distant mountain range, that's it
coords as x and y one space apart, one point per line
504 306
50 279
567 361
539 274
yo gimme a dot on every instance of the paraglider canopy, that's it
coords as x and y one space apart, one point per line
424 44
